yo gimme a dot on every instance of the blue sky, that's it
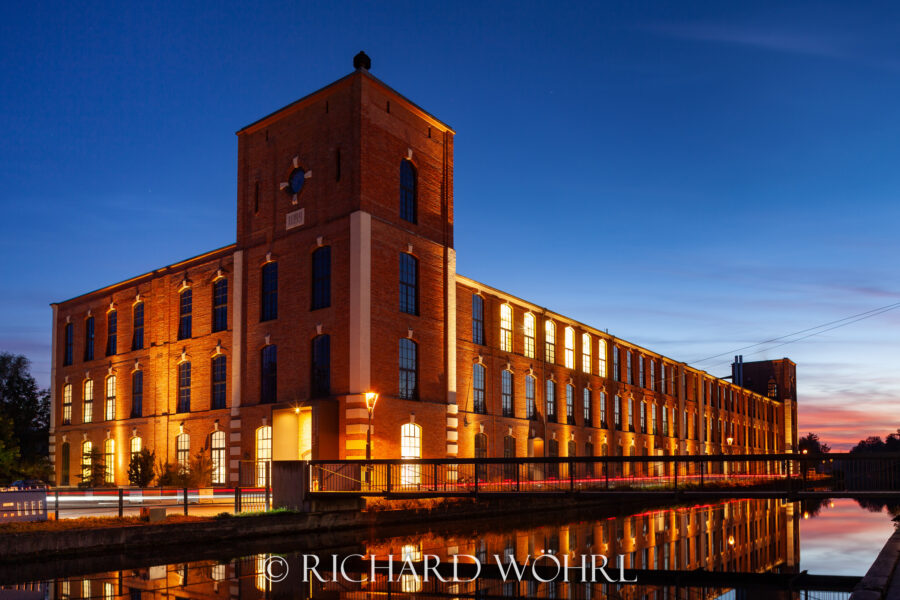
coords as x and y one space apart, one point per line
695 177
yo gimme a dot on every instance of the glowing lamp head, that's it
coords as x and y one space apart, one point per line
730 440
371 399
805 451
296 410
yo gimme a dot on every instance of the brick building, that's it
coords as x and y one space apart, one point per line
342 281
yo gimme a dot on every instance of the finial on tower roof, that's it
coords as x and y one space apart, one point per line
362 61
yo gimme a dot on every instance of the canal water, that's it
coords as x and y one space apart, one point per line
749 548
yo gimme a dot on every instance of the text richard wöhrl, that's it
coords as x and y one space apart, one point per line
356 568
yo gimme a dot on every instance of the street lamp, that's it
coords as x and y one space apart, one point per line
371 399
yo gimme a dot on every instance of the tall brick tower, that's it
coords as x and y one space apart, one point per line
775 379
356 174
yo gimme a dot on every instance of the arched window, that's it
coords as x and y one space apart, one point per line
111 328
137 326
184 387
553 452
109 460
410 448
478 404
506 393
408 191
220 304
67 404
136 445
506 320
185 308
183 450
572 450
263 455
773 388
528 329
89 339
586 352
408 369
269 291
570 404
570 348
137 393
551 400
477 319
643 426
217 454
588 449
321 278
321 366
509 447
480 445
88 404
110 412
550 341
64 464
86 458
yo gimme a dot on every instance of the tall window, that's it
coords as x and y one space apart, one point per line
586 405
509 447
110 412
662 377
572 449
184 387
601 358
408 191
68 353
109 460
628 374
220 305
617 413
87 449
477 319
480 445
603 423
185 308
506 392
321 278
111 328
641 374
553 452
408 370
478 389
269 288
529 335
409 287
586 352
67 404
268 376
263 455
89 339
410 448
629 420
217 454
665 420
219 373
183 450
653 375
137 326
551 400
772 391
588 449
653 426
136 445
64 464
321 366
643 428
137 393
530 412
570 348
506 320
88 403
570 404
550 341
617 374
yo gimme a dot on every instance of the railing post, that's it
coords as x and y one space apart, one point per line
390 469
702 465
185 501
121 502
675 481
56 509
434 476
237 498
571 476
518 488
476 478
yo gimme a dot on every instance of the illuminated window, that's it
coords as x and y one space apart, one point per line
478 404
182 449
410 448
86 588
506 328
136 445
550 341
321 278
184 387
530 412
529 335
263 584
268 374
86 459
185 308
217 454
409 286
88 404
665 420
263 455
220 305
111 328
67 404
586 405
109 460
321 366
586 352
551 399
643 428
477 319
410 583
219 372
269 290
108 591
603 410
617 413
110 412
570 404
89 339
601 358
69 352
408 369
408 191
506 393
570 348
137 393
480 445
137 326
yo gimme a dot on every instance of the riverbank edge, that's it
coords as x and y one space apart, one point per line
882 580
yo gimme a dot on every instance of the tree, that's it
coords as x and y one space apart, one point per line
813 445
201 469
9 455
874 443
140 469
93 469
27 408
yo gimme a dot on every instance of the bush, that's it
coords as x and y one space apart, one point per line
140 469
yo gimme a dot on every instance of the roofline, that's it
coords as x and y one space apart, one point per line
338 83
182 263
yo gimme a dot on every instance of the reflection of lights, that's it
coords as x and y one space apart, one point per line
805 515
410 584
805 451
731 540
831 504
